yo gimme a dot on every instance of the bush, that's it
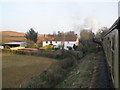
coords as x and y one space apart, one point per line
68 62
7 47
6 50
39 44
49 78
54 74
86 46
31 44
46 53
49 47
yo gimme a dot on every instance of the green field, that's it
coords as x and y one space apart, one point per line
17 69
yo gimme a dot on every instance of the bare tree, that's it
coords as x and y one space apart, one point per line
86 35
101 32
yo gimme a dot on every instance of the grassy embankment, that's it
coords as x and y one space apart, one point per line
81 75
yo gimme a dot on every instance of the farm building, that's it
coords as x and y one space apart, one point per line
59 41
16 44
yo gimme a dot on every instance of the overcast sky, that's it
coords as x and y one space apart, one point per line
49 17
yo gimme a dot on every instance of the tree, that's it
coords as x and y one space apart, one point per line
70 34
86 35
102 31
31 35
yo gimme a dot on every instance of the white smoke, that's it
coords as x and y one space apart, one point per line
91 23
88 23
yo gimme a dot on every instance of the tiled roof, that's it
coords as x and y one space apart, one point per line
60 39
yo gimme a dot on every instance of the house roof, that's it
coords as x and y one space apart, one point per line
15 43
60 39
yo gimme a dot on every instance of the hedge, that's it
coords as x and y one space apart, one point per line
45 53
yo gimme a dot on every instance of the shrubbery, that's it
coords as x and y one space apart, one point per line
86 46
31 44
54 74
7 47
49 47
45 53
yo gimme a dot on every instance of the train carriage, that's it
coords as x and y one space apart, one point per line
111 49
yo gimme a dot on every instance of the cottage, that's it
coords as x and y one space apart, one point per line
59 41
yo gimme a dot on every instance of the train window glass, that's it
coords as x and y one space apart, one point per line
102 39
113 64
110 43
113 42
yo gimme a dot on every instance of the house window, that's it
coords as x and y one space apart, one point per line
56 41
50 42
67 42
46 41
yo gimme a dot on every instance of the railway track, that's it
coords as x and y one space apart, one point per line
101 76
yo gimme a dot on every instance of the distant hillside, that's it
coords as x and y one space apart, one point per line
12 36
12 33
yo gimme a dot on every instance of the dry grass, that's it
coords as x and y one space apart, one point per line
54 74
81 75
16 69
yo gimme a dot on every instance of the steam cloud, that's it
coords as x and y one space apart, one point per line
89 23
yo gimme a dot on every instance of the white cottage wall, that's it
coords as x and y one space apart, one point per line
69 43
66 43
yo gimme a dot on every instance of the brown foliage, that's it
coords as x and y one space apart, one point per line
101 32
86 35
55 73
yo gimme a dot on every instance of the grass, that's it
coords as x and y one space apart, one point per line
17 69
80 77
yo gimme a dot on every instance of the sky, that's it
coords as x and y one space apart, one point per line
47 17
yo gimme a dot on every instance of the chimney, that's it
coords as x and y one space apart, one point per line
44 36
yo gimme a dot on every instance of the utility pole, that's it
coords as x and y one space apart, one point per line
63 43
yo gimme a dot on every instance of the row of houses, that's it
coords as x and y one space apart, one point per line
56 41
60 41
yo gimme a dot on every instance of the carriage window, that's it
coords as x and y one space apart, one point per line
113 64
110 43
113 42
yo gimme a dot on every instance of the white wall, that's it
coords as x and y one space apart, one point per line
69 43
66 43
23 44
